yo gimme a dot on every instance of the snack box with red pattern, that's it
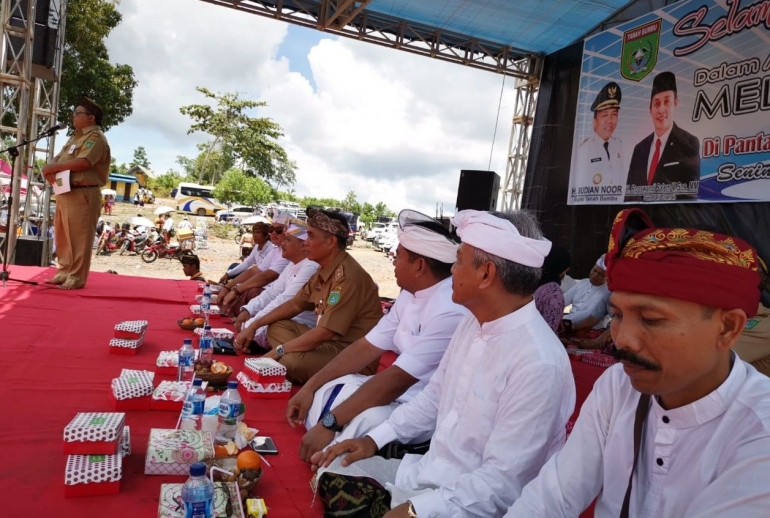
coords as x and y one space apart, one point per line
167 363
132 390
264 370
250 389
169 395
92 433
131 329
92 475
126 346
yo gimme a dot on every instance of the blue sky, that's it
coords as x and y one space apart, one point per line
392 126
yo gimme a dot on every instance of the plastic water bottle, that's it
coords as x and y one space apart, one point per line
206 302
186 361
192 410
206 347
229 410
198 493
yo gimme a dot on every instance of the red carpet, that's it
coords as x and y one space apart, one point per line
58 363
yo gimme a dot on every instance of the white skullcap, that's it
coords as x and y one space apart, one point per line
600 263
500 237
297 228
282 218
427 243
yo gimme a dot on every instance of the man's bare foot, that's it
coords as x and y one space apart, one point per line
70 286
54 280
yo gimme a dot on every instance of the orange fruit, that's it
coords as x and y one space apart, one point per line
220 451
249 460
199 321
187 321
218 368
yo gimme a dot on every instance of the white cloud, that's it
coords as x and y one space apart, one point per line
392 126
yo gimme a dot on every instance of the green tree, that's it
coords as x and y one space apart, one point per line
162 185
207 167
86 67
238 187
350 203
116 168
251 142
140 158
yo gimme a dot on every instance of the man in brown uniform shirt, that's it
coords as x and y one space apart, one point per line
344 298
87 156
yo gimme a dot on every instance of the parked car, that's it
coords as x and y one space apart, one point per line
376 230
235 212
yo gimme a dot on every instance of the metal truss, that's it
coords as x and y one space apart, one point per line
351 19
518 146
28 106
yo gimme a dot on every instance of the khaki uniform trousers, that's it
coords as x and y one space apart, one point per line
300 367
76 215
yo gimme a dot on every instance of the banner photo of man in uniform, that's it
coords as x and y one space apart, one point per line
673 107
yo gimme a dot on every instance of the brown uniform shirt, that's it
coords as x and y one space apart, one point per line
344 297
91 144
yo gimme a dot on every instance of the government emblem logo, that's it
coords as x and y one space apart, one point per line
640 50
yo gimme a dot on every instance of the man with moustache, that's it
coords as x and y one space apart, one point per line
600 156
498 403
669 154
250 339
681 427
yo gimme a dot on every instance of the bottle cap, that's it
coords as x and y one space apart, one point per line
206 327
198 469
187 341
197 382
232 384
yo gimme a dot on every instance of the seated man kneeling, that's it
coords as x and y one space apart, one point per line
418 328
589 302
343 295
283 289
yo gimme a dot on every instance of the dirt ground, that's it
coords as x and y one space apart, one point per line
220 253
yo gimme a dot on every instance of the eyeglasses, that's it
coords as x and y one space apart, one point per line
276 230
81 112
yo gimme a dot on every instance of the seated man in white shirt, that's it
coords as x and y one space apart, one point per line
250 283
589 300
337 403
681 427
498 403
283 289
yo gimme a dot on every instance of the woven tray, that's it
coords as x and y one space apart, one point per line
229 464
189 327
215 380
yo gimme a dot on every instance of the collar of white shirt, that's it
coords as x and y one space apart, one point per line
510 321
429 292
708 407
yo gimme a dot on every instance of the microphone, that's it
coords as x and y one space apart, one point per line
53 130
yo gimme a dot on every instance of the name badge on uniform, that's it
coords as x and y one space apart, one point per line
73 147
597 159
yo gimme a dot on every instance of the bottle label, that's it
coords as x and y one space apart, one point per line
206 342
185 360
229 412
203 509
191 408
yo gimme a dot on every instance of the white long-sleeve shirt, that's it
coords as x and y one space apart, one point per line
499 404
710 458
587 301
255 258
288 284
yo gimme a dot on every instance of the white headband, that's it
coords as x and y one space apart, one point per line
499 237
282 218
297 228
430 244
600 263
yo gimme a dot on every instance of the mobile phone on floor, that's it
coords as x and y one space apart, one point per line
264 445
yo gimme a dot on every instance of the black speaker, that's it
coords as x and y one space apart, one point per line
478 190
30 251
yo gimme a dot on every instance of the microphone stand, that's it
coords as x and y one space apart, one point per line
5 274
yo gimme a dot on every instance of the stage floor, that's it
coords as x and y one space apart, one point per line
58 363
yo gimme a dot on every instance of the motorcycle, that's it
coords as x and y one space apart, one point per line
108 241
160 249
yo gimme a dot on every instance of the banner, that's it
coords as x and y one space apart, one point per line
674 107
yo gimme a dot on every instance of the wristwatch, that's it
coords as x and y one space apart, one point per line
410 510
329 421
279 351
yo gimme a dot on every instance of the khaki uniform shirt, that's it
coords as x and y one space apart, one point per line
753 345
344 298
91 144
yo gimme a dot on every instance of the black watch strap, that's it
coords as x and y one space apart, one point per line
329 421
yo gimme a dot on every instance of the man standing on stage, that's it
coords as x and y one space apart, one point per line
680 428
86 156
